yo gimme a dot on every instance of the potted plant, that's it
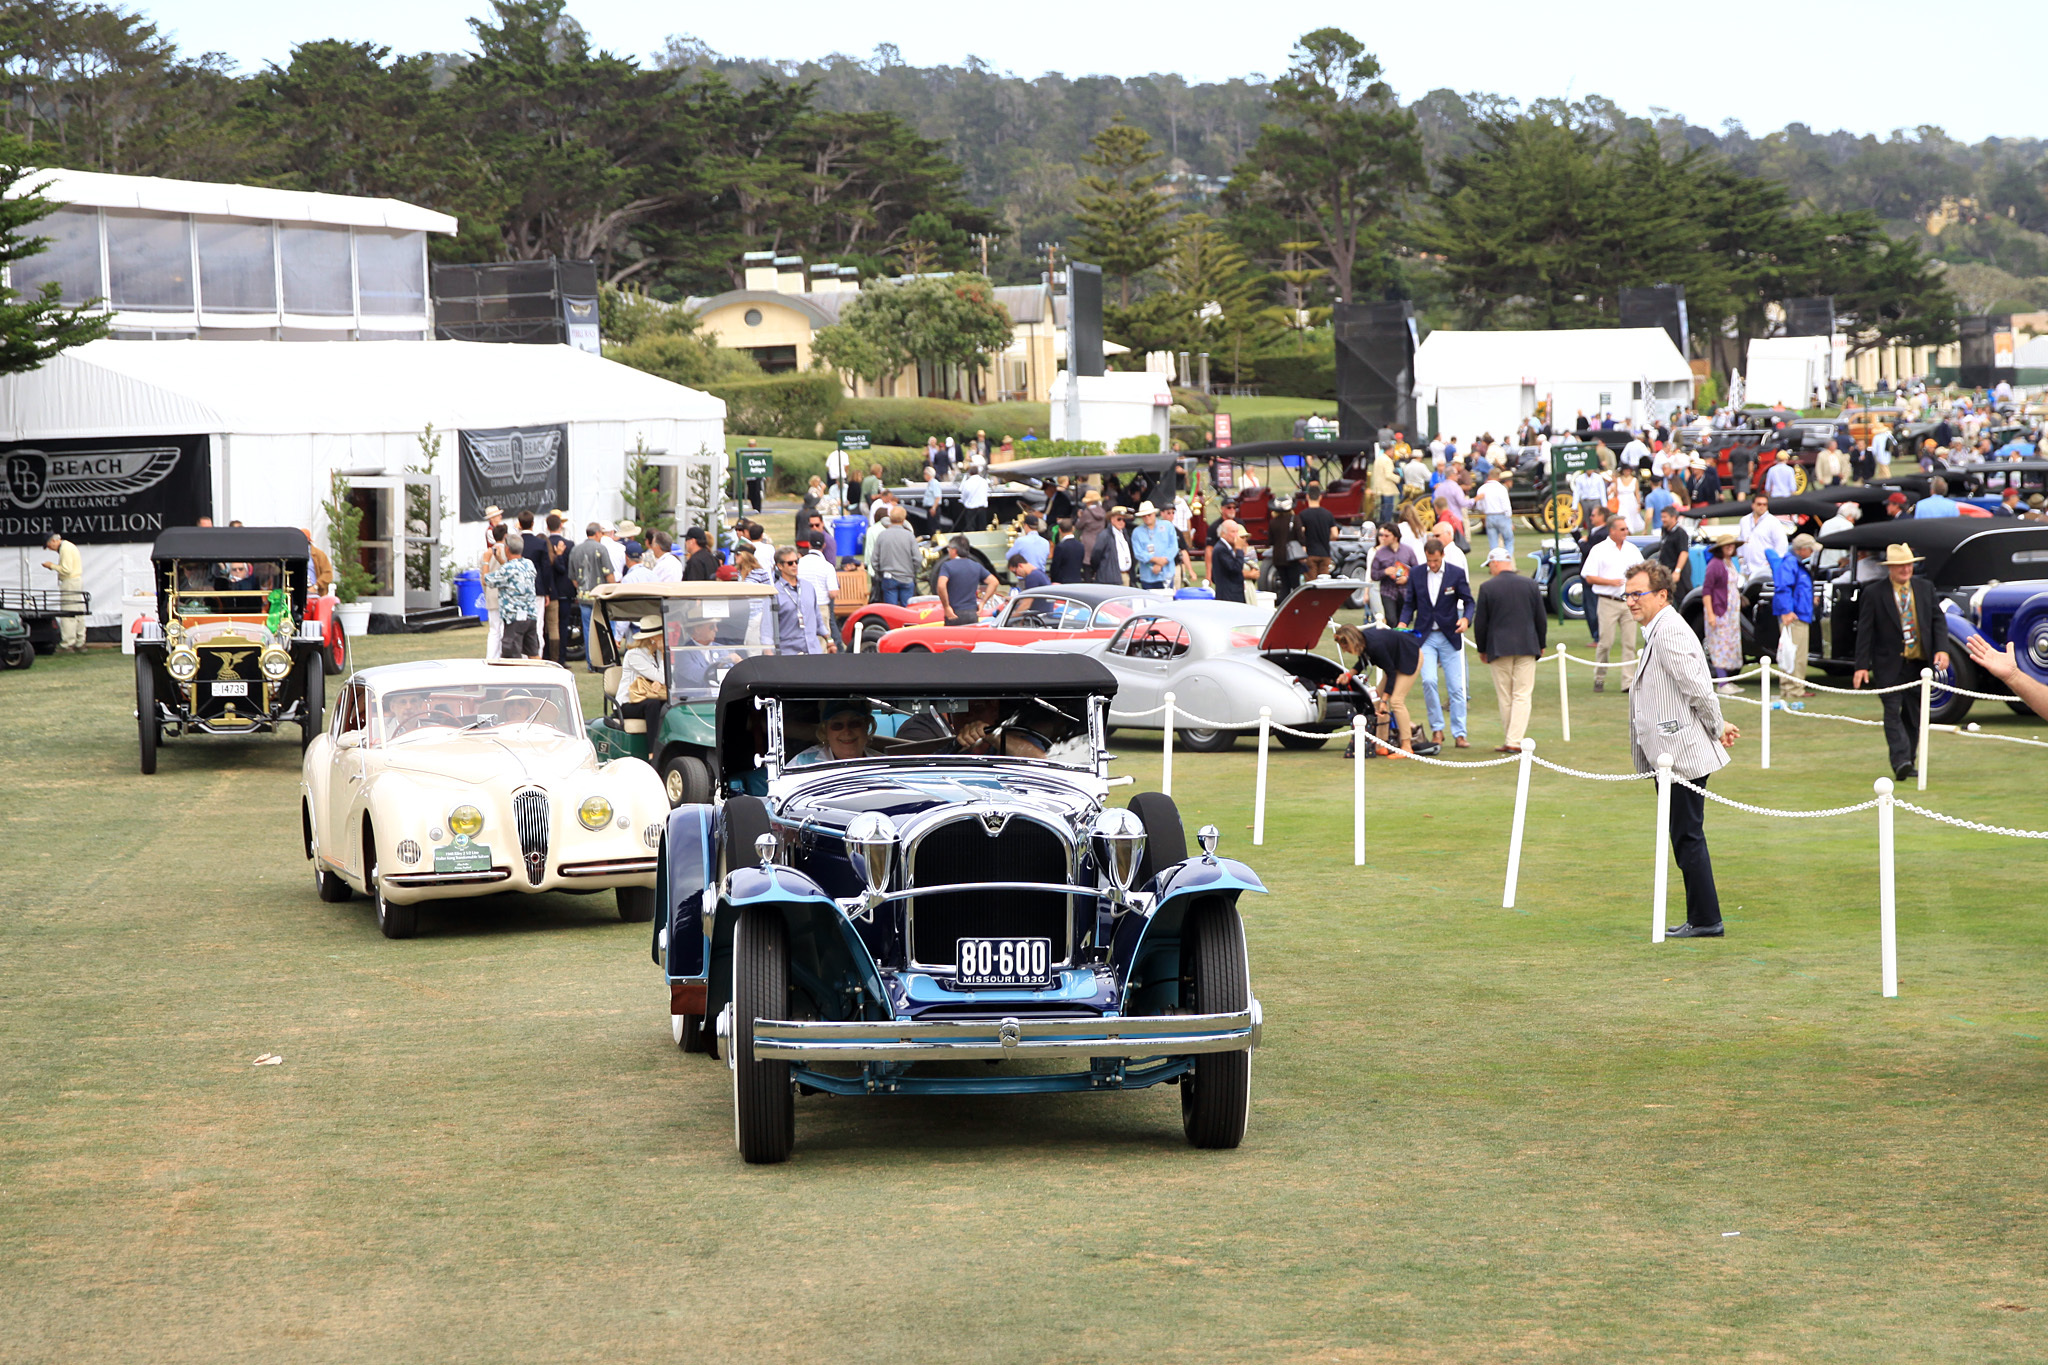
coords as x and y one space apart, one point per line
344 543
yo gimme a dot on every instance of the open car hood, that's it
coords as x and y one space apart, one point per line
1302 618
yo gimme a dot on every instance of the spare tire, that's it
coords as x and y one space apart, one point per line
745 819
1166 843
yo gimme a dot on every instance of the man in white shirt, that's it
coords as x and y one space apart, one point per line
614 550
1846 516
816 569
667 568
1779 480
974 499
1494 505
1634 453
1606 570
1589 489
1760 534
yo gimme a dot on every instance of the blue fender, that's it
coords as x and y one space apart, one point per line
1152 987
827 957
686 866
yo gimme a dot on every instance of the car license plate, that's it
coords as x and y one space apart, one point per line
462 856
1004 961
236 689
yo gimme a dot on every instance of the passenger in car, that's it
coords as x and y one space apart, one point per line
847 726
969 731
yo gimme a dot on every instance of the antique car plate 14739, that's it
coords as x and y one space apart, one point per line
1005 961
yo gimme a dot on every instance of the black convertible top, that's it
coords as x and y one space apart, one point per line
1979 548
956 673
232 543
1820 503
1152 462
1334 449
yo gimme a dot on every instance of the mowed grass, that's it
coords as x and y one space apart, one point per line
1477 1134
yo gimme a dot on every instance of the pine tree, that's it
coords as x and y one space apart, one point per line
1122 209
32 329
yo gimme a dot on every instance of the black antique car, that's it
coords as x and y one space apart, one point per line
233 650
913 864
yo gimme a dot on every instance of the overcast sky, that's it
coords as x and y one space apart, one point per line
1870 66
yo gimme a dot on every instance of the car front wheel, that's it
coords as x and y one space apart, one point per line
148 725
1207 741
396 921
636 904
763 1106
1215 1095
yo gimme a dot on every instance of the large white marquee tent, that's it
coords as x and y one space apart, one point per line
280 417
1488 382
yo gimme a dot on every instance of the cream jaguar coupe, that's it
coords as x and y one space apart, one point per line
461 777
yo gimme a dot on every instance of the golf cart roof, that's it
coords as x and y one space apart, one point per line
234 543
641 592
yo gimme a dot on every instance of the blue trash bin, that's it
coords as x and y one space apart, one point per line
849 536
1194 592
469 593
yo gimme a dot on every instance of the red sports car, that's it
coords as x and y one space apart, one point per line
1058 611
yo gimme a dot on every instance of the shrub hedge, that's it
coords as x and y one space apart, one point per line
1148 444
904 421
1299 376
794 405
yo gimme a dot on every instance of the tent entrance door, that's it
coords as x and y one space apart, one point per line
401 543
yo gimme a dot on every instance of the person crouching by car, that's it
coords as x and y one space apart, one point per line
1398 657
643 691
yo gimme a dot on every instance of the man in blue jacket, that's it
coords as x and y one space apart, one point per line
1792 601
1439 607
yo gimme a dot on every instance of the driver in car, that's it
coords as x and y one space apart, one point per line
971 731
695 664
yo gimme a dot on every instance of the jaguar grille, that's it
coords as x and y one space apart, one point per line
963 851
530 813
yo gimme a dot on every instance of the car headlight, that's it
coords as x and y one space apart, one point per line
183 663
275 663
871 847
466 820
1120 845
595 813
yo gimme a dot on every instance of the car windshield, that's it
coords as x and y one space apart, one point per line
202 587
842 729
450 709
698 665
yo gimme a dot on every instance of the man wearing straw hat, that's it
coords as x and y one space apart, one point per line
1672 710
1900 629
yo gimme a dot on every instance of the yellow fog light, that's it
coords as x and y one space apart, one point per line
595 813
183 663
276 663
466 820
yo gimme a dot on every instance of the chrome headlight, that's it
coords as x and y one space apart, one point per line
1119 845
871 848
466 820
183 663
595 813
275 663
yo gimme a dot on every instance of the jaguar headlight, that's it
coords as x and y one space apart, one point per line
275 663
466 820
595 813
1119 845
183 663
871 848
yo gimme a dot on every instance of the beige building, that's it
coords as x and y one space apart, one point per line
781 305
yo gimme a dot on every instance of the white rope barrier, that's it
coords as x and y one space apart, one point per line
1528 747
1926 707
1166 749
1972 824
1259 789
1887 894
1564 694
1763 689
1358 753
1661 879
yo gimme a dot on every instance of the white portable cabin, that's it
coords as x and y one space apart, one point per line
1789 370
275 419
1489 382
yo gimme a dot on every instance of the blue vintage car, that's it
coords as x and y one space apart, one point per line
961 891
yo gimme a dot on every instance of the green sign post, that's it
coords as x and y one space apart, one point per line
1565 461
751 463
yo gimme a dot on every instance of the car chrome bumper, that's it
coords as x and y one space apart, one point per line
971 1040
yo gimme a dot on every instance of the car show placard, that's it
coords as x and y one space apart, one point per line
517 469
112 490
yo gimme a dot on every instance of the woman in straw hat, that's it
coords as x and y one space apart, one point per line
1724 621
643 687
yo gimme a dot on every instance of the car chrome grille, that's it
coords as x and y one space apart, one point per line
962 851
530 813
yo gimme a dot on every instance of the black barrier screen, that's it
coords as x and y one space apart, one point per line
103 491
541 302
1375 369
516 469
1084 318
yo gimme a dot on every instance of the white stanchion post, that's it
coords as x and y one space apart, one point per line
1259 791
1360 737
1663 882
1564 694
1166 751
1887 893
1507 900
1764 694
1926 705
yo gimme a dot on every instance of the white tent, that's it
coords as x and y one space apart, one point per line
1115 405
276 419
1791 370
1488 382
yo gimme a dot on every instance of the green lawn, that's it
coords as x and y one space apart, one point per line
1477 1134
1289 407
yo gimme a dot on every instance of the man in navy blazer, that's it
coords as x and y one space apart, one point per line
1439 607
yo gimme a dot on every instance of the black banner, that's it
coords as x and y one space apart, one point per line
515 469
115 490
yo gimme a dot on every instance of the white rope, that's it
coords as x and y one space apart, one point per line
1972 732
1780 814
1630 663
1591 777
1972 824
1880 691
